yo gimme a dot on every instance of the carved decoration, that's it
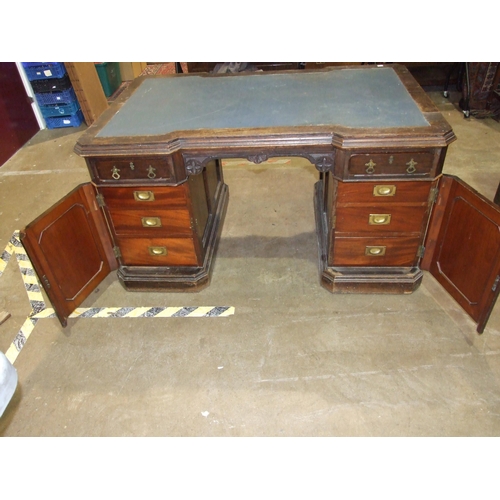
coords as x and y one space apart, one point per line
194 165
324 161
258 158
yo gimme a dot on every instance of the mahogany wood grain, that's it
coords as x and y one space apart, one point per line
70 249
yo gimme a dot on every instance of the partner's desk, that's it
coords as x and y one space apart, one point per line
384 211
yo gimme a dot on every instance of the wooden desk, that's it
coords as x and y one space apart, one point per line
156 204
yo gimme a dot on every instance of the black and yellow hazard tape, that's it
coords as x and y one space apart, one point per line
39 309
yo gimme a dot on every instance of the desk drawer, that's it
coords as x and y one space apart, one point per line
143 169
148 198
380 218
383 192
375 251
174 222
158 252
411 164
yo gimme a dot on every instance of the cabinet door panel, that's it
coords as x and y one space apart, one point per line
464 248
70 249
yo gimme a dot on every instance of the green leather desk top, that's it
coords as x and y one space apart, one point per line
360 98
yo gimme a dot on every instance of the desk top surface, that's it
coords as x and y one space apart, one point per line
358 98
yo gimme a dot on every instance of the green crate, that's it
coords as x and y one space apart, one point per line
109 74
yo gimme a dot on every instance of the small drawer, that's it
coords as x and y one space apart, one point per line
174 222
158 251
383 192
410 164
375 251
380 218
143 169
144 197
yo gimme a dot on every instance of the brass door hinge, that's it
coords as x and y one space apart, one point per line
100 200
46 281
495 284
421 251
117 252
433 195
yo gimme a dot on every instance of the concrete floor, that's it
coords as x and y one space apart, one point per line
294 360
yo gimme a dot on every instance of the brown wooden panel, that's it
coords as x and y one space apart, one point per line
146 223
352 251
466 248
366 192
132 169
383 218
178 252
391 164
162 197
70 249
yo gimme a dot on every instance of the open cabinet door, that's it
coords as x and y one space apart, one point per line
71 249
462 249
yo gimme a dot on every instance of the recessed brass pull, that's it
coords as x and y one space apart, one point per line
151 222
144 195
157 251
370 166
381 190
379 219
115 173
375 251
411 166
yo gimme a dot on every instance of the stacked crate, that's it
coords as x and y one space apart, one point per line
54 94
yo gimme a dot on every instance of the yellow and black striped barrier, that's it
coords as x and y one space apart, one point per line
39 310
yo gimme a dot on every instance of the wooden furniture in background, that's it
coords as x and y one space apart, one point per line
88 89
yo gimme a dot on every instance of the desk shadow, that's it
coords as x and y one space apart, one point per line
299 246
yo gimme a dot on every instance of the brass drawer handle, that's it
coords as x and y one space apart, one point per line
411 166
375 251
151 222
144 195
157 251
115 173
381 190
370 166
379 219
151 172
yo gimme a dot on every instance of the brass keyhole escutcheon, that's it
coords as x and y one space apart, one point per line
411 166
132 166
115 173
370 166
389 190
151 222
144 196
151 172
157 251
375 251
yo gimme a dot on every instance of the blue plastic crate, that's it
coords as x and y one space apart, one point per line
44 70
60 109
65 121
63 97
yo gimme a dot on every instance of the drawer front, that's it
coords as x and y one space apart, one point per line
383 192
375 251
409 164
158 252
151 223
143 170
148 198
380 218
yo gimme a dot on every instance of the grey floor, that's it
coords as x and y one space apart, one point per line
293 360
